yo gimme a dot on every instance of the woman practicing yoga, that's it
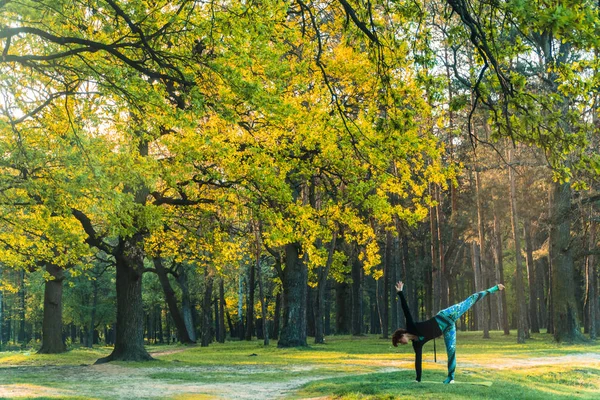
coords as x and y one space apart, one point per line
443 323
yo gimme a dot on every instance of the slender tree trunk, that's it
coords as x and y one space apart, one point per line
310 311
295 283
436 294
387 268
1 319
371 286
21 336
327 305
276 317
590 278
498 260
52 326
321 287
159 324
357 312
180 325
409 273
519 288
250 302
215 304
533 308
221 337
443 278
129 340
394 277
261 294
541 272
207 310
550 312
186 303
475 257
483 275
92 328
428 286
240 324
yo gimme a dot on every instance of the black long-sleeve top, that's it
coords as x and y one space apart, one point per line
425 331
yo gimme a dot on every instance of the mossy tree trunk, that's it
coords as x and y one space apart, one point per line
52 325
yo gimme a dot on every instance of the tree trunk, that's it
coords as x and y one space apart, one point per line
186 303
295 283
261 294
541 273
159 324
533 308
250 303
394 277
207 310
357 312
327 304
520 290
591 296
310 311
129 340
180 325
343 322
321 287
52 341
566 326
410 275
428 285
21 336
498 260
92 328
483 274
221 337
387 268
443 278
374 309
240 322
476 259
1 319
549 302
436 293
276 317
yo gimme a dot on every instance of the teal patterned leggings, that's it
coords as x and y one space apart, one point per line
447 318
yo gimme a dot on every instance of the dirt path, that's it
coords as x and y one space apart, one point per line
111 381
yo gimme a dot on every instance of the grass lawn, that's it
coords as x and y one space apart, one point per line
343 368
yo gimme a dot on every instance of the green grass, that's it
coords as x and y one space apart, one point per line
343 368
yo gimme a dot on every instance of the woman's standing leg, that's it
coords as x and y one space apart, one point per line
450 341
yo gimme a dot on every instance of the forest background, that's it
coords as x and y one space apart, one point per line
202 171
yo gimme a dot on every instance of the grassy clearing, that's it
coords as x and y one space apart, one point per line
344 368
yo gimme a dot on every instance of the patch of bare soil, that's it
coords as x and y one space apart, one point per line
112 381
167 352
27 390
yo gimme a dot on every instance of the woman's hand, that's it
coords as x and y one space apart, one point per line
399 286
500 286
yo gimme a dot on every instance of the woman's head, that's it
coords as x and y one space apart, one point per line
400 336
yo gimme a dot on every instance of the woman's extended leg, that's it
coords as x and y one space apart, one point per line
453 313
